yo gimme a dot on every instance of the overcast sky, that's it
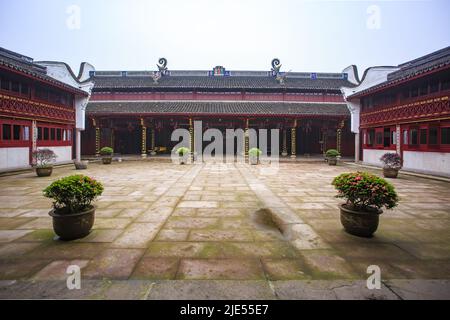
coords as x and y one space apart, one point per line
312 36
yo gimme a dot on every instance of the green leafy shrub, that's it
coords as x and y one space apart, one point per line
332 153
365 191
106 151
44 158
73 194
182 151
254 152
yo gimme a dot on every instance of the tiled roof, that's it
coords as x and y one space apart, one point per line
210 82
219 108
23 64
433 61
423 64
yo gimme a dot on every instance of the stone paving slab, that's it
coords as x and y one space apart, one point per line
218 225
205 290
330 290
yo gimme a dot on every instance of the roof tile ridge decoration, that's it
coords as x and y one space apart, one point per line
75 77
204 73
219 101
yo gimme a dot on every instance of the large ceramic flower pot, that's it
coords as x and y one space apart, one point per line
390 173
107 160
73 226
359 223
332 161
44 171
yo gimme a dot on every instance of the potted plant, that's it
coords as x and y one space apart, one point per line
392 163
106 153
366 194
332 156
73 214
44 159
183 154
254 154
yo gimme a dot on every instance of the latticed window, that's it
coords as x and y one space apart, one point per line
433 136
414 137
423 136
445 135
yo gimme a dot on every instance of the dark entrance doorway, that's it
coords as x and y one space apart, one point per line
127 141
308 140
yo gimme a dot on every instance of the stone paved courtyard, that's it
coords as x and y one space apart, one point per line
165 231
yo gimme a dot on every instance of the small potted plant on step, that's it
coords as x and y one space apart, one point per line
44 160
73 214
366 194
332 156
106 153
392 163
253 155
183 154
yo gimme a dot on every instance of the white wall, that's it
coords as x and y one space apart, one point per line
437 163
64 154
14 158
427 162
372 77
372 156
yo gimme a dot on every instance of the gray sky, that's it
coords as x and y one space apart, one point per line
313 36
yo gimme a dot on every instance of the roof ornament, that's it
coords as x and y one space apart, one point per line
276 66
281 77
156 76
162 70
162 66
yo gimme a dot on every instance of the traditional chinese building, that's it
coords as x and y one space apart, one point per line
36 109
135 112
405 109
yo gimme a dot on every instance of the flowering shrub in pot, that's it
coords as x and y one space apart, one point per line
392 163
73 213
366 195
106 153
44 160
332 156
254 154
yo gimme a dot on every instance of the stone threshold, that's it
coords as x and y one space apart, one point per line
405 172
16 171
396 289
